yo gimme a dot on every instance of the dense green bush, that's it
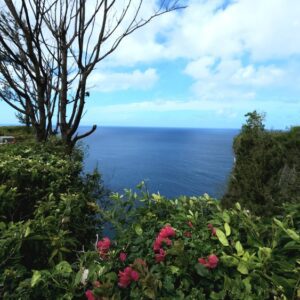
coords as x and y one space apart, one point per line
48 212
212 253
266 173
21 133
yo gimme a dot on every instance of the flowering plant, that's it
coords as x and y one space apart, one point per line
191 248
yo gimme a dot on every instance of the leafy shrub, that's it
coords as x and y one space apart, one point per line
21 133
52 246
266 171
212 254
48 211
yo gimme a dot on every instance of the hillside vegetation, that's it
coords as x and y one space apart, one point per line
266 173
21 133
52 245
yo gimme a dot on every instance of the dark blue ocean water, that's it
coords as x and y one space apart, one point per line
172 161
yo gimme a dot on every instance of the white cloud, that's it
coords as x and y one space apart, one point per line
265 29
109 82
163 106
231 53
229 79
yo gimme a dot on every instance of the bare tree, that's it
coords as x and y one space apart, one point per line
48 49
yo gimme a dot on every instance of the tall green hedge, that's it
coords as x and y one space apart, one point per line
48 212
266 173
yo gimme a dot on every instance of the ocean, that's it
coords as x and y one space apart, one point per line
172 161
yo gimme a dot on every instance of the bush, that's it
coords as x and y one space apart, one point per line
52 246
266 171
48 211
21 133
189 248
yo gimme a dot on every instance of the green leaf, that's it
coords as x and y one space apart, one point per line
140 185
150 293
156 197
227 229
138 229
264 253
201 270
226 217
239 248
78 277
174 269
2 225
247 283
53 254
292 234
27 232
217 296
36 277
238 206
222 238
291 246
111 277
177 249
229 261
64 268
278 223
242 267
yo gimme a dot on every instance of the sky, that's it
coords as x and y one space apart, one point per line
204 67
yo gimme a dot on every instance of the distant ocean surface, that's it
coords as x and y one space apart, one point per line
170 160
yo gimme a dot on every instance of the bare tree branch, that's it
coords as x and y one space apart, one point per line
48 49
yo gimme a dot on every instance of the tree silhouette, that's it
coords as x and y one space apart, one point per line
48 49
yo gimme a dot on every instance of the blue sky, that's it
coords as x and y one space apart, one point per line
205 66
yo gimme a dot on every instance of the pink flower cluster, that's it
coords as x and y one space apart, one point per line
213 229
89 295
127 276
122 256
163 238
103 247
210 262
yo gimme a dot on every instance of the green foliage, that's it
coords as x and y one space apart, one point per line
266 171
48 212
50 223
21 133
257 259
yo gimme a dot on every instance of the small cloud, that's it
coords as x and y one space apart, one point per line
110 82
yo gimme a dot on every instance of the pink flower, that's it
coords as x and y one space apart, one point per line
127 276
134 275
167 241
157 244
213 229
122 256
103 247
190 224
104 244
167 232
160 256
203 261
210 262
213 261
159 241
89 295
163 238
